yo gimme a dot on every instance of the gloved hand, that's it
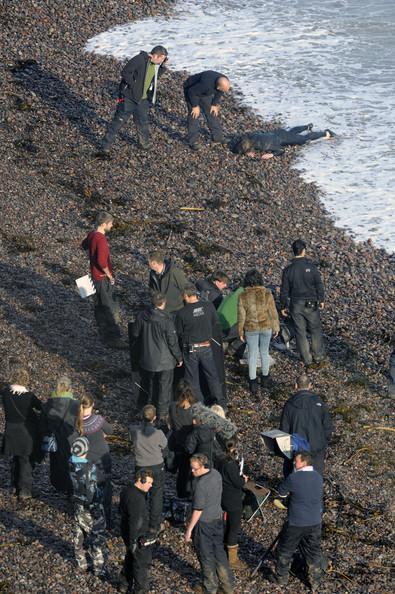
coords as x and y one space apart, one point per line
147 540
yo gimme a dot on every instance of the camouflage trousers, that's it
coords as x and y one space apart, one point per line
90 536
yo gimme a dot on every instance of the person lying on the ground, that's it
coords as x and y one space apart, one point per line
270 144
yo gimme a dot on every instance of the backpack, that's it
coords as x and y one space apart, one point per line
299 443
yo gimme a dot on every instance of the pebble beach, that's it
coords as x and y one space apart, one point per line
208 210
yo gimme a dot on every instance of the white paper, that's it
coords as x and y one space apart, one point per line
85 286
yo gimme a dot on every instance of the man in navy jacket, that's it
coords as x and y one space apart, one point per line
304 487
203 92
306 414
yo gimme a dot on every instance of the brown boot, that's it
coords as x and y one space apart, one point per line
234 560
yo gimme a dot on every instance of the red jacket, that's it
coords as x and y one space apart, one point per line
99 254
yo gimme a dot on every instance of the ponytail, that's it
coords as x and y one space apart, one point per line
86 401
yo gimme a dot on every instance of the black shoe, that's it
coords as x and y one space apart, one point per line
266 382
195 146
102 155
117 343
221 140
331 134
253 386
280 580
143 145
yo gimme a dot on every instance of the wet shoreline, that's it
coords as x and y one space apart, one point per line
54 113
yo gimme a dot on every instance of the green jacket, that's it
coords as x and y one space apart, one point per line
227 311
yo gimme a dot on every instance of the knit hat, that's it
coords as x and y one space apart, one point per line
80 446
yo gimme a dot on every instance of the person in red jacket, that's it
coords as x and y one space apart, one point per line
106 306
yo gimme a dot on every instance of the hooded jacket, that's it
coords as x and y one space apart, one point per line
159 348
257 311
209 291
305 413
133 76
171 282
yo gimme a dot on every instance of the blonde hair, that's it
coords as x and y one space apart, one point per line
86 401
63 384
218 410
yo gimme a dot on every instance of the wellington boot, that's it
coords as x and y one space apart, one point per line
253 386
234 560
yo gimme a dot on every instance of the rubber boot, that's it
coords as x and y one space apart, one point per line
267 382
314 574
253 386
234 560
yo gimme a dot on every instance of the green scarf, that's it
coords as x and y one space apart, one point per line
62 395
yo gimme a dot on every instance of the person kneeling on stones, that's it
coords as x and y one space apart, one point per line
304 487
89 518
271 144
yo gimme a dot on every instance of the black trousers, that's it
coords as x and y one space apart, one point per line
21 474
308 319
106 310
213 122
158 386
202 360
155 500
124 110
136 567
307 538
183 482
208 539
294 136
232 526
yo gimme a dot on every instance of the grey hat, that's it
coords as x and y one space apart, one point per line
80 446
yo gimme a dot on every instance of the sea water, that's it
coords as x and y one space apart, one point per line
330 62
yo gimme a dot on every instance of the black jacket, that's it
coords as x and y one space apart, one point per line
301 282
171 283
21 434
201 441
133 76
134 515
198 322
232 485
156 333
306 414
203 84
209 292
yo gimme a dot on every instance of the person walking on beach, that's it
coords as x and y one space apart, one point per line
138 88
106 306
302 296
271 144
203 92
306 414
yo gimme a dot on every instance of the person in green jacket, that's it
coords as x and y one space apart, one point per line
227 313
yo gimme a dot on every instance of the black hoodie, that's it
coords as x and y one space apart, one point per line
306 414
159 349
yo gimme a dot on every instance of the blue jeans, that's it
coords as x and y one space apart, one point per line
258 341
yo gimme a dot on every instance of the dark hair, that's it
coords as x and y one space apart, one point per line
159 50
190 290
231 449
253 278
142 474
298 246
201 458
103 217
158 299
303 381
157 256
220 276
184 392
304 456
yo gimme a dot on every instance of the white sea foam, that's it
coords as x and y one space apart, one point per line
330 62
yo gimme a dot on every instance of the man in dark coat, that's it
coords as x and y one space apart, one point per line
302 295
138 86
203 91
198 326
134 530
21 434
167 279
304 487
159 352
211 289
306 414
